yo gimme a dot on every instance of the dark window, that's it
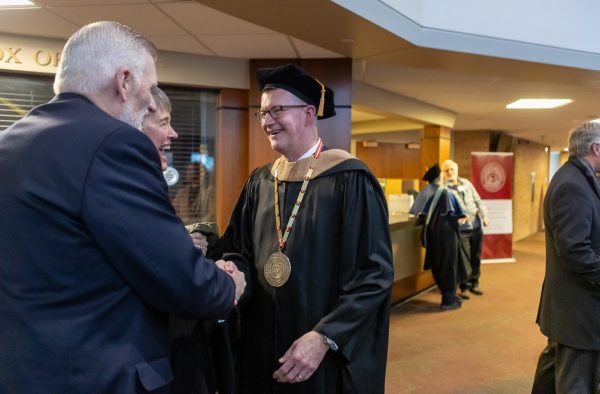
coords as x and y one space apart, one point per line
19 94
192 155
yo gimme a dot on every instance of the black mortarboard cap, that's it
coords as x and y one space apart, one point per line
432 173
301 84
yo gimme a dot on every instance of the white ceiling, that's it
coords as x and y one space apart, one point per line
476 88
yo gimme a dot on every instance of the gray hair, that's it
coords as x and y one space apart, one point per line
163 103
449 162
94 53
583 137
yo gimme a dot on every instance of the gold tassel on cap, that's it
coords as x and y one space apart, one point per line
321 100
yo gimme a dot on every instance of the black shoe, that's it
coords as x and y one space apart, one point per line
464 295
476 290
450 306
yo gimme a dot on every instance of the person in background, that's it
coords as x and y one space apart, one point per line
471 232
311 233
85 309
570 299
432 177
193 349
441 214
157 125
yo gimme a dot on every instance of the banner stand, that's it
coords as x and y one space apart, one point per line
492 177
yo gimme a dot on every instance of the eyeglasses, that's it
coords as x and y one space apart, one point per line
275 111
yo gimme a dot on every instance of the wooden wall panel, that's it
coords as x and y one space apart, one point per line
530 158
564 156
231 151
466 142
335 131
389 160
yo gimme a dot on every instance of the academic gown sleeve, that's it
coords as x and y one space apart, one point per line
358 322
126 207
238 235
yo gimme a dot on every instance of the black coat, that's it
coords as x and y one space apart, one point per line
444 253
201 354
570 301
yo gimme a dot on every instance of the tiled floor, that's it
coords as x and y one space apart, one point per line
490 345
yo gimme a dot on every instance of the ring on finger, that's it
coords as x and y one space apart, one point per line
299 377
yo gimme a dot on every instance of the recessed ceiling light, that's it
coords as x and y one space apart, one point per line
538 103
16 4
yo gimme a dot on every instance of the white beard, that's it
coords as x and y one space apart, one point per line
131 117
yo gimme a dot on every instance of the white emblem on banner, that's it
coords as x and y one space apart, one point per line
492 177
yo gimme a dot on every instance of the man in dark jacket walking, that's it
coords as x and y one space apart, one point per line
570 301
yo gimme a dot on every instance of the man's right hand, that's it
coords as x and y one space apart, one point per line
238 277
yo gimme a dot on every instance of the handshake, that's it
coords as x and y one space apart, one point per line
205 235
237 276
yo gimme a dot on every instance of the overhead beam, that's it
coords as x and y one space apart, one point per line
405 107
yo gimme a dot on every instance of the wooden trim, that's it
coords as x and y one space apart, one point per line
231 151
391 160
408 287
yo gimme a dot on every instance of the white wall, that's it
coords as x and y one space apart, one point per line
554 164
569 24
560 32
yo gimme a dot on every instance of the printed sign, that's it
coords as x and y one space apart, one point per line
492 177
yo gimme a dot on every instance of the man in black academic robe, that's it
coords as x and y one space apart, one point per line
444 254
325 330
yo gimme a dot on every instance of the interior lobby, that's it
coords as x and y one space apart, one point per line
416 83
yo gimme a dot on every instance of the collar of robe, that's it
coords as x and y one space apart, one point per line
295 171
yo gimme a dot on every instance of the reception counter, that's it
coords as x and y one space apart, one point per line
409 276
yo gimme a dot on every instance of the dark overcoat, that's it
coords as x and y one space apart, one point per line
570 301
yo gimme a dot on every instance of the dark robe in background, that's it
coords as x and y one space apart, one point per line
200 352
340 280
201 356
444 254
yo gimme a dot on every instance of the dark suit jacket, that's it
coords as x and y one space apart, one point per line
92 256
570 302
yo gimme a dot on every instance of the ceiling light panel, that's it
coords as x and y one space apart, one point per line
16 4
538 103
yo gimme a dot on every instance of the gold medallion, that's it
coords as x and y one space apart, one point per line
277 269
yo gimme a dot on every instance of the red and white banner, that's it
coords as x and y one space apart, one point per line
492 176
